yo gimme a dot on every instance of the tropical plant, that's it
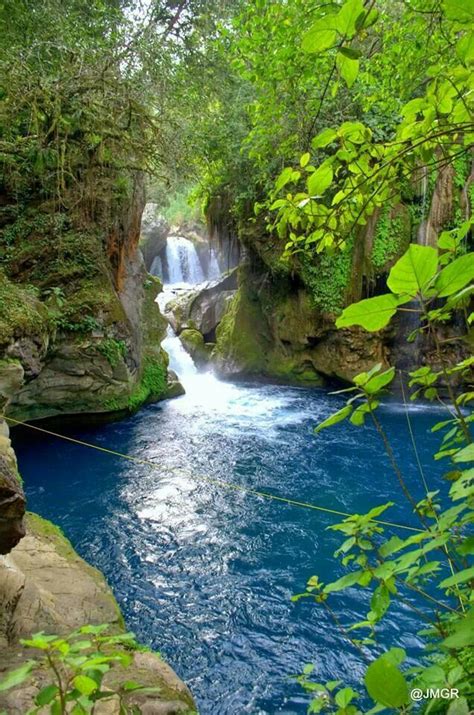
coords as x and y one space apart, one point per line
76 666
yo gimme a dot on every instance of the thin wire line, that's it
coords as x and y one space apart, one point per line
216 482
412 436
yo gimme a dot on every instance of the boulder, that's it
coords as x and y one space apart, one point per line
203 308
193 342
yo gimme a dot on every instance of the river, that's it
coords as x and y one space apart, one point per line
205 574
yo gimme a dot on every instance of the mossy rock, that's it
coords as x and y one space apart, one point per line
21 312
242 337
193 342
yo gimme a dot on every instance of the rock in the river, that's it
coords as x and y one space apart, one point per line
193 342
46 586
203 308
279 333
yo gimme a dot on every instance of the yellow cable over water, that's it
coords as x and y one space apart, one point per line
209 480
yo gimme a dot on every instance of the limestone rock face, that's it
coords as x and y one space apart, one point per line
46 586
203 308
12 498
154 232
88 337
280 334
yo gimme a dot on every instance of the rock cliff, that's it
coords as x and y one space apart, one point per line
281 321
79 328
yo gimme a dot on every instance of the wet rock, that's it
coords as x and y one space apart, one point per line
193 342
203 308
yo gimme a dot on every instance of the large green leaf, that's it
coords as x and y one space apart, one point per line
334 419
462 10
386 684
320 180
455 275
320 37
372 313
378 381
84 684
347 17
412 273
462 635
348 68
325 137
460 577
465 455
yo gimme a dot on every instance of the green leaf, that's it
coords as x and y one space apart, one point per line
380 601
460 577
377 382
465 48
372 313
412 273
17 676
462 10
465 455
348 68
462 635
344 697
320 180
305 159
320 37
334 419
346 581
347 17
285 176
350 52
46 695
455 275
325 137
386 684
458 707
84 684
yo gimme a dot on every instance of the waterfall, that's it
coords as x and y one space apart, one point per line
180 361
183 261
180 268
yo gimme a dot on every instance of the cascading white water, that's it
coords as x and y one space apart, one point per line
184 271
180 360
183 261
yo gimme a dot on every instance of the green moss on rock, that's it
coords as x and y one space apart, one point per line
241 336
392 236
21 312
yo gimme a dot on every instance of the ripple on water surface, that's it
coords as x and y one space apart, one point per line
205 575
